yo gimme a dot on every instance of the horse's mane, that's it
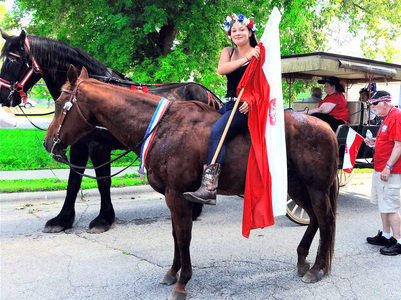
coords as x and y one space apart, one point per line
57 56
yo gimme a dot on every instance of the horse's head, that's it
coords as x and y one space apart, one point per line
68 124
16 74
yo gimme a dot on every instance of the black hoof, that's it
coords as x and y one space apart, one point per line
100 225
58 224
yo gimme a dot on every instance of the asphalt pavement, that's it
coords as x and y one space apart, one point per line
129 260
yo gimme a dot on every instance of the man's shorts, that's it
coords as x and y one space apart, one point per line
386 194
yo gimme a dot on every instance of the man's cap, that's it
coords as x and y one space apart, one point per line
333 81
380 96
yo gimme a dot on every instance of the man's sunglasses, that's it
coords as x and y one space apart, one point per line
376 102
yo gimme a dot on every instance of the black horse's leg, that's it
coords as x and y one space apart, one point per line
181 214
100 154
65 219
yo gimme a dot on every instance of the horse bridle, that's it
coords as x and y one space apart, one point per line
66 109
18 86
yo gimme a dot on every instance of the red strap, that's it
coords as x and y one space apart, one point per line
140 88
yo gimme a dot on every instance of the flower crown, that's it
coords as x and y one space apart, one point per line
230 20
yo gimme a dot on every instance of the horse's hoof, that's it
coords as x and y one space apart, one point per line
58 224
169 280
53 229
177 296
99 225
302 269
310 278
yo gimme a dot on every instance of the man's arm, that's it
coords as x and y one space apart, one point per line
395 155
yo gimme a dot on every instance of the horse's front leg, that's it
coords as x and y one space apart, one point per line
181 215
99 155
65 219
171 276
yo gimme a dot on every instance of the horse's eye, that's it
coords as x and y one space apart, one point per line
57 105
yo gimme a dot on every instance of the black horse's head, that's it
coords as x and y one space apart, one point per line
17 63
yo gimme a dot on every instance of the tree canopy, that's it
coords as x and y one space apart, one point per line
174 40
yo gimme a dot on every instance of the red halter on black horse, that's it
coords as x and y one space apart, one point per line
179 150
29 58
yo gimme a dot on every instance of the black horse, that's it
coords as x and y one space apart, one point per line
29 58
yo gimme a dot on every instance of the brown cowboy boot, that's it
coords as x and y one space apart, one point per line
206 194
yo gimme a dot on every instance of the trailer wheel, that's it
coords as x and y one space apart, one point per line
344 177
296 213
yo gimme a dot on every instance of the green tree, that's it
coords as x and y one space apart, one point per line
165 41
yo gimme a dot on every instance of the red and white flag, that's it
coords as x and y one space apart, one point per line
266 179
353 143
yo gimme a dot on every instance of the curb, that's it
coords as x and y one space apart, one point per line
60 195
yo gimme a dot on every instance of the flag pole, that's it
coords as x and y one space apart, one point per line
227 126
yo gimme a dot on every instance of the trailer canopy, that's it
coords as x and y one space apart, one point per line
313 66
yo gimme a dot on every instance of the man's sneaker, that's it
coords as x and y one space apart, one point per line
391 250
380 240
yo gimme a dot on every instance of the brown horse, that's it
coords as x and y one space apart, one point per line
179 150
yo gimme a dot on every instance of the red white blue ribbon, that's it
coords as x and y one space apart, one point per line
161 108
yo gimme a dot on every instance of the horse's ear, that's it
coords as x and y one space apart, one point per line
22 38
84 74
72 75
4 34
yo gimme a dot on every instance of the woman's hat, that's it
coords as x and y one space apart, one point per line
333 81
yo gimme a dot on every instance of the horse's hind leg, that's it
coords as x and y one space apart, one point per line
65 219
100 155
303 248
300 195
325 215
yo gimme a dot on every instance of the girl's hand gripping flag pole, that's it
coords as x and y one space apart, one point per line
245 78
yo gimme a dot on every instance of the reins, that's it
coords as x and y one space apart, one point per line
34 125
67 106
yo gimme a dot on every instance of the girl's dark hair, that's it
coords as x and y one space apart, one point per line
252 39
364 90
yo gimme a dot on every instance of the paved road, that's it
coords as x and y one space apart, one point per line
128 261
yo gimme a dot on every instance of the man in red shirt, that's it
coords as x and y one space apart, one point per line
386 180
333 109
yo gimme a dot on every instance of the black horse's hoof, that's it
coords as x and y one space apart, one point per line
100 225
58 224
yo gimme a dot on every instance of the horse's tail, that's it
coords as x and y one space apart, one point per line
333 204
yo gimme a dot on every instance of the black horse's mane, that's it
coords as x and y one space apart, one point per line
56 56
